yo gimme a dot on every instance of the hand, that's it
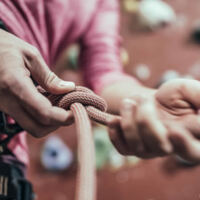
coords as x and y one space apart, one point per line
161 122
19 97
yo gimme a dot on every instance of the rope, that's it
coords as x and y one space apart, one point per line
84 104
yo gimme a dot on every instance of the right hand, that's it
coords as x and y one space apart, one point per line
19 98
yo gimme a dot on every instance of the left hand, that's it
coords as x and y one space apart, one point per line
160 122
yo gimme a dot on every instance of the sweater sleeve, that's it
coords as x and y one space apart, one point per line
100 45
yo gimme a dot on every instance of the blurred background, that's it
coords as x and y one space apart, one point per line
161 41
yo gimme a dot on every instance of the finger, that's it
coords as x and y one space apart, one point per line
151 144
129 127
28 123
38 106
117 136
185 145
192 95
189 90
42 74
118 143
152 131
192 124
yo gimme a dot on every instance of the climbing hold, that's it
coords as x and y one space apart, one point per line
142 72
56 155
155 13
168 75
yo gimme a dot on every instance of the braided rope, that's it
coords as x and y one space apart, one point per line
84 104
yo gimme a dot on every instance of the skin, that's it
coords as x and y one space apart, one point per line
156 122
19 96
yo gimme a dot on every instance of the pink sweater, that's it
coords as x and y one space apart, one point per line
52 25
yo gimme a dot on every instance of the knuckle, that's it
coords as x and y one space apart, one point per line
8 82
11 52
127 126
44 116
34 53
37 132
49 79
33 131
141 122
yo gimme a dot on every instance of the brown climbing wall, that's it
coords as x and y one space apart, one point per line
158 179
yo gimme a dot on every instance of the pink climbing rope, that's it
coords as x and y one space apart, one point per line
84 104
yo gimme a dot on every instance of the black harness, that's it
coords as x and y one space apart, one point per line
10 130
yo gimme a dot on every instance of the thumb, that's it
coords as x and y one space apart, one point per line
45 77
180 92
56 85
190 90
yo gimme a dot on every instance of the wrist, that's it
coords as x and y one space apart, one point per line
114 94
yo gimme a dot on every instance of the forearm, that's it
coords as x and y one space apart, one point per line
100 58
115 93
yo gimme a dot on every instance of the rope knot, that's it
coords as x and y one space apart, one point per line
80 95
94 107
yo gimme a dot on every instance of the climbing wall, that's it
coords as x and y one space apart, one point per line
150 55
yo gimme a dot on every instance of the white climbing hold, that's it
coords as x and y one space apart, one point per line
142 72
56 155
154 13
169 75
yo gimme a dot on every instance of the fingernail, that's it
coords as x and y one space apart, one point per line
68 84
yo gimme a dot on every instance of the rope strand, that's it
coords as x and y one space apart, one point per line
86 180
84 104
